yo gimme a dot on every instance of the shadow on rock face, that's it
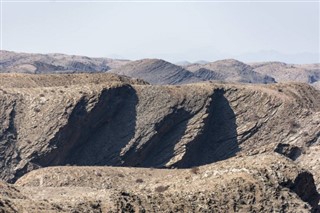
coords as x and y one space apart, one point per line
304 187
95 137
218 139
160 148
290 151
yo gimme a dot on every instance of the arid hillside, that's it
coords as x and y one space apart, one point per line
229 70
134 124
13 62
282 72
159 72
107 120
156 71
261 183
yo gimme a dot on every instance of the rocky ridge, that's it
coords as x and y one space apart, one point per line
150 126
156 71
12 62
282 72
109 120
229 70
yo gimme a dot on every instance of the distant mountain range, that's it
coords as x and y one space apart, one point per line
282 72
103 142
53 63
157 71
229 70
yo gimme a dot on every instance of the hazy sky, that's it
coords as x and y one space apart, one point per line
173 31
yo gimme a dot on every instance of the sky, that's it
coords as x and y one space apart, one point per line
174 31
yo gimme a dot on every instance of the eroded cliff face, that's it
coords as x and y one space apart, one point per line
244 145
128 123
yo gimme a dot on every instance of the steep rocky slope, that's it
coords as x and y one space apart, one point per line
53 63
229 70
125 122
262 183
282 72
232 131
156 71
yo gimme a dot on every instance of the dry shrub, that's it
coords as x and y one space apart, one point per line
195 170
36 109
161 189
294 124
139 180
